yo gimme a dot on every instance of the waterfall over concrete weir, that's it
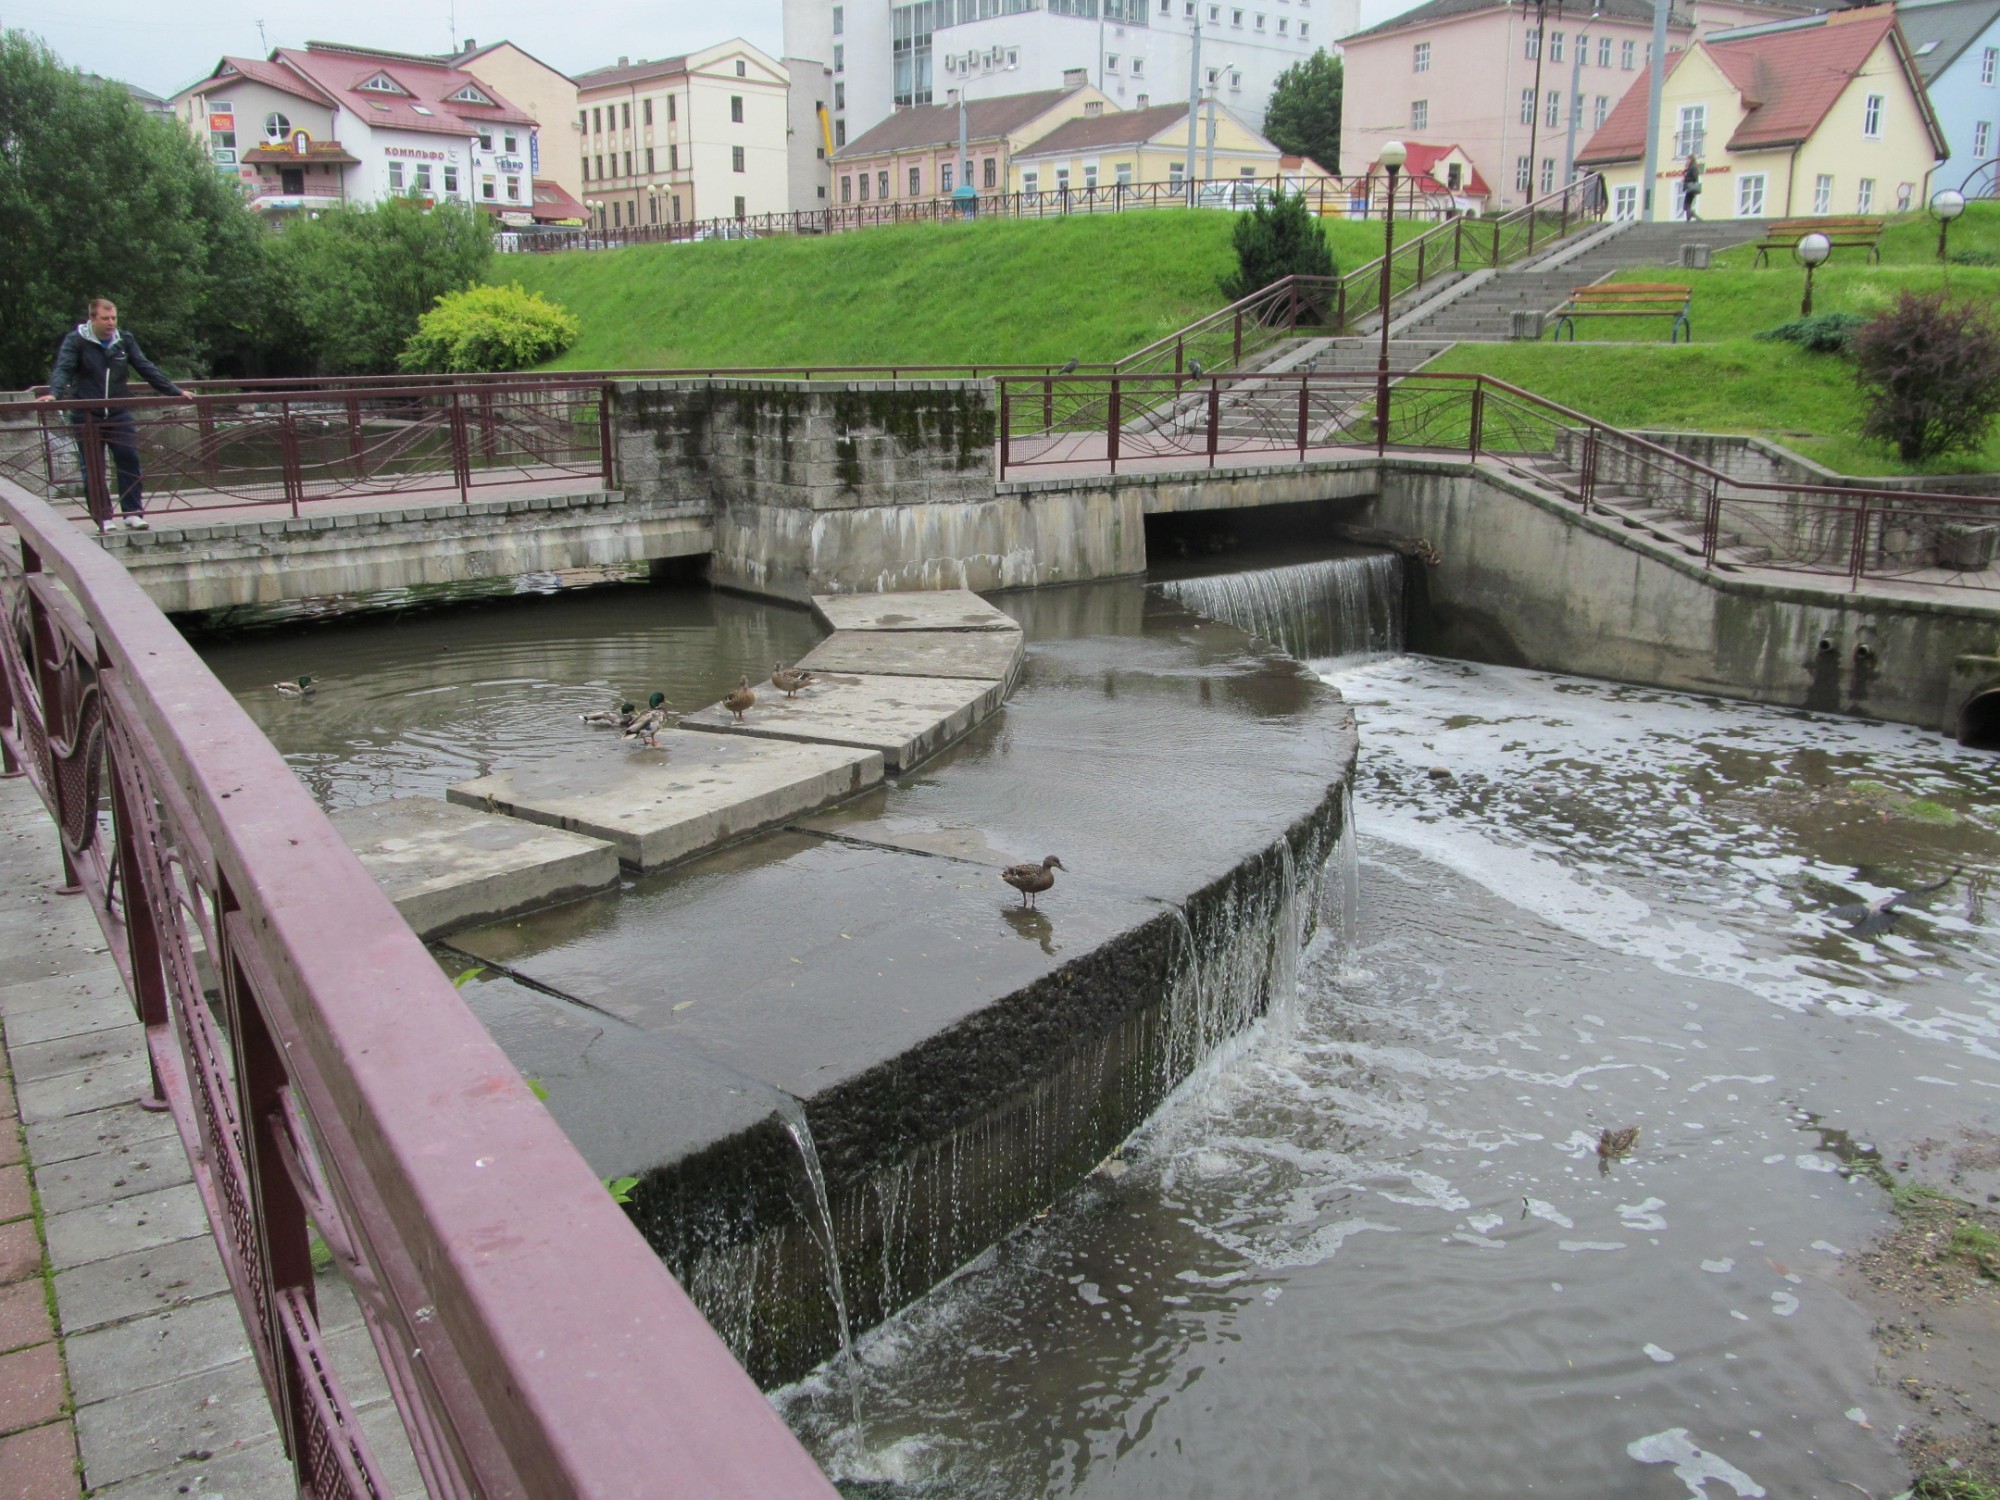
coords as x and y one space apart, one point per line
1339 606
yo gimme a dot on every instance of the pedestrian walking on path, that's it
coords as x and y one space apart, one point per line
96 359
1690 189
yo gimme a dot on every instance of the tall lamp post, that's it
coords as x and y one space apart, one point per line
1392 158
1945 207
1811 251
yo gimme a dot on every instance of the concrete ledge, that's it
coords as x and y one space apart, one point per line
902 719
657 806
987 654
446 865
939 609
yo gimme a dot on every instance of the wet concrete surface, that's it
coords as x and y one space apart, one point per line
940 609
903 719
990 654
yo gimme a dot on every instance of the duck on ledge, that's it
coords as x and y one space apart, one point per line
647 726
788 680
741 699
302 687
1032 879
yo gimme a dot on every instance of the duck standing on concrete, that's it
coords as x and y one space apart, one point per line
301 687
647 726
612 718
741 699
1032 879
788 680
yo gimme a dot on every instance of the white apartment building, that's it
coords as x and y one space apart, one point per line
681 138
890 54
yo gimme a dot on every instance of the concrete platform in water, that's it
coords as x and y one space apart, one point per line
904 719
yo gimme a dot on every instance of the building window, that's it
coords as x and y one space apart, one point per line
1031 183
1420 58
945 177
597 122
600 167
670 109
1823 193
916 182
839 57
1871 117
1420 114
485 140
839 133
1548 174
847 190
1532 47
864 186
1282 24
990 172
1090 179
276 127
1138 66
1111 63
511 142
673 156
626 109
1982 140
617 210
1552 116
583 119
1625 203
423 183
1601 112
513 189
1750 196
1555 46
586 169
1864 196
1527 106
1260 20
839 19
1304 29
1236 18
649 161
839 94
882 184
451 182
677 208
742 71
395 177
1123 172
736 160
1691 135
1626 52
736 109
1524 171
1062 180
739 203
645 117
653 210
628 163
1989 65
1604 52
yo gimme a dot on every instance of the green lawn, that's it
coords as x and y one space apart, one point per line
1088 287
1727 381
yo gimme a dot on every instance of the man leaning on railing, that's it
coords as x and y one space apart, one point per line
96 359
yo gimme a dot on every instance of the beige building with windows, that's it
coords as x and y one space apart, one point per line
1824 115
913 155
542 92
684 138
1148 146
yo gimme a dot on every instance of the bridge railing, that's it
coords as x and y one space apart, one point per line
1089 423
327 1080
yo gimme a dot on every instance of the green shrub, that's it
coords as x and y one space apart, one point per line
1822 333
489 328
1974 258
1276 239
1929 373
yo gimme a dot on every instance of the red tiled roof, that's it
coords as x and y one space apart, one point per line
937 124
234 70
1788 77
1417 168
552 204
426 84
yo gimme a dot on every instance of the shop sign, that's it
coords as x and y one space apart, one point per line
509 163
418 153
222 122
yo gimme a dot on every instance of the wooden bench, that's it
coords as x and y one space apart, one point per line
1628 299
1856 232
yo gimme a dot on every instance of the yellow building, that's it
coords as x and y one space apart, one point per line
1825 115
1149 146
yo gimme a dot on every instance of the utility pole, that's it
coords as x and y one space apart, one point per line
1656 80
1582 40
1194 102
1535 114
1208 167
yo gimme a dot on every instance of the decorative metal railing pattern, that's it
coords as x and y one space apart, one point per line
326 1079
1104 423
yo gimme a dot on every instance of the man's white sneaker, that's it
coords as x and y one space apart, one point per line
135 522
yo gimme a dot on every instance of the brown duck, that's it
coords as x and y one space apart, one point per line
788 680
1032 879
741 699
1613 1144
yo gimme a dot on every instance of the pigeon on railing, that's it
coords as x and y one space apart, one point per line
1069 368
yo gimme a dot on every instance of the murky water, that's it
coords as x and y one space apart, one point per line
1378 1254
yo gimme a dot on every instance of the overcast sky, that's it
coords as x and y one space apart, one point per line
164 45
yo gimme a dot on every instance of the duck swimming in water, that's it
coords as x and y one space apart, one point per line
302 687
612 718
1032 879
1613 1144
1879 915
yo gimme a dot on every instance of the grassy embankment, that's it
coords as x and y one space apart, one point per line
1088 287
1727 381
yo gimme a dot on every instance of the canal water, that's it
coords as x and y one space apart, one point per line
1372 1250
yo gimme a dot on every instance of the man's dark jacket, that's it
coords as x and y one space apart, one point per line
85 369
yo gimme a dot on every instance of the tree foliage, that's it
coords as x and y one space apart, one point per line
1279 238
98 198
358 280
489 328
1303 117
1929 372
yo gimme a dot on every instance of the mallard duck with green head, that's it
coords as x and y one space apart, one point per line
620 717
647 725
1032 879
298 687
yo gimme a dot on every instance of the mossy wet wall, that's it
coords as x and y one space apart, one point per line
937 1154
819 487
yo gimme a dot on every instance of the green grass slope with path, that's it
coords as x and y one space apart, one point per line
1013 291
1622 371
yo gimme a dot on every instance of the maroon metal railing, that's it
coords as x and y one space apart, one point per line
1089 423
1329 197
327 1079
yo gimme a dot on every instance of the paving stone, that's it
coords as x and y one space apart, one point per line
24 1319
216 1413
20 1251
81 1051
138 1284
74 1136
131 1357
112 1081
44 1009
39 1464
31 1387
15 1202
99 1231
11 1149
259 1471
117 1171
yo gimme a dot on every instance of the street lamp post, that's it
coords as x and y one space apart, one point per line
1945 207
1811 251
1392 159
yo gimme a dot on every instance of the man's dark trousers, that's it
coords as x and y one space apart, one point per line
117 432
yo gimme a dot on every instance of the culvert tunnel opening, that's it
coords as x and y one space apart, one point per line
1979 721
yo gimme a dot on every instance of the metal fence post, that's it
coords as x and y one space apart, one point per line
1857 563
607 448
1711 523
461 457
1478 417
1006 446
292 470
1111 417
1303 392
1214 420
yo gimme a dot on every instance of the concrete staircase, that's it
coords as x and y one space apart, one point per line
1483 311
1637 511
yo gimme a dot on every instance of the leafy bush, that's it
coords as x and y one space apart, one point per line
1278 238
489 328
1822 333
1929 372
1974 258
